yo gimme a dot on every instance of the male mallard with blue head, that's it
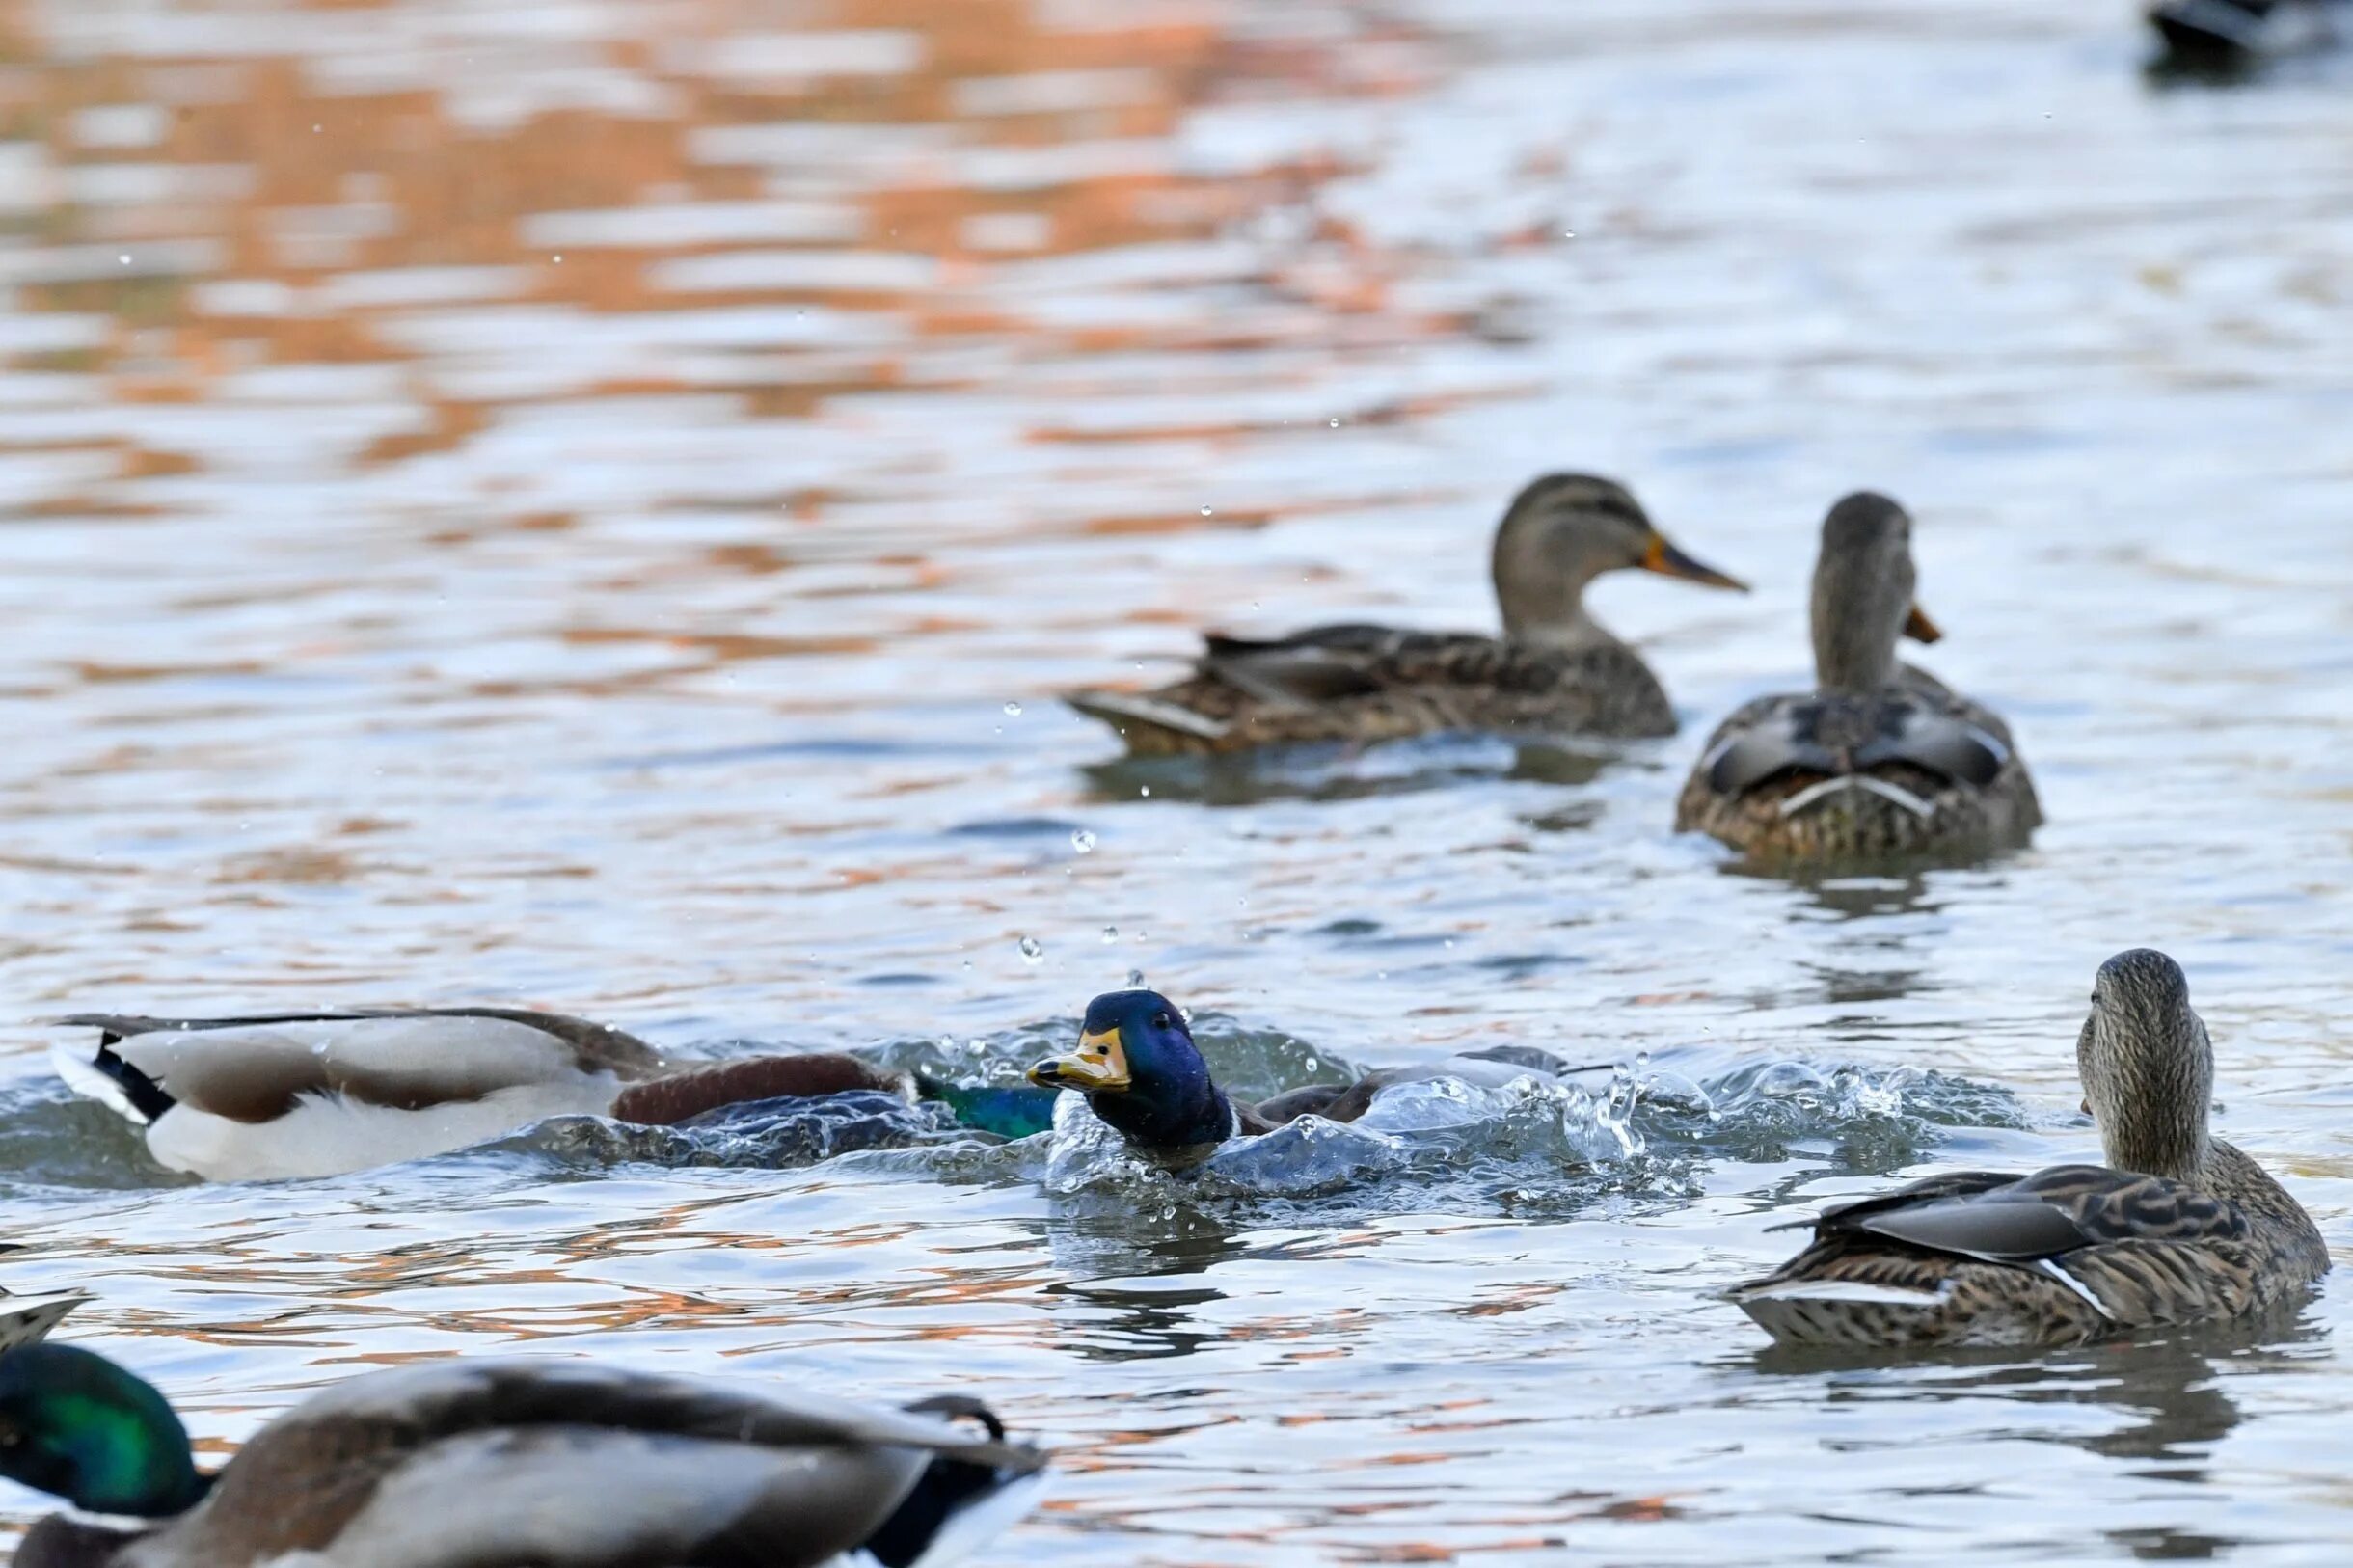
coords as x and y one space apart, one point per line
294 1094
1141 1073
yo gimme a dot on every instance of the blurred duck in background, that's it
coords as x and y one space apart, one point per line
1553 671
2221 34
1879 760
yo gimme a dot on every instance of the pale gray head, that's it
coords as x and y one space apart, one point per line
1561 532
2148 1066
1863 594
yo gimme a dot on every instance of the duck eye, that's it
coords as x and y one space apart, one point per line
1160 1020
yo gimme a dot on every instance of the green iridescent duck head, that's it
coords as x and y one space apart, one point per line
1561 532
77 1426
1140 1070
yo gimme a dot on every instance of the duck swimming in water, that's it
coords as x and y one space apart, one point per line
1553 671
1881 760
2178 1227
1139 1071
2228 33
550 1462
295 1094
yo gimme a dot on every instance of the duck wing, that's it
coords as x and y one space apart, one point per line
571 1464
1996 1219
1324 663
1835 735
252 1069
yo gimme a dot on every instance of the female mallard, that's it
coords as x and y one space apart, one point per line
1554 670
1879 760
1139 1071
2178 1227
319 1093
461 1464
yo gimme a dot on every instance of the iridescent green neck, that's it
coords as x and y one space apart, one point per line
77 1426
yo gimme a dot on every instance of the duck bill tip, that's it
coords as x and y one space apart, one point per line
1669 560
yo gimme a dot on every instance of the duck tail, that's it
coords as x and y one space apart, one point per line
109 1080
31 1322
660 1102
1126 710
959 1504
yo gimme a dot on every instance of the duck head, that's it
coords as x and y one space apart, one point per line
1138 1066
1863 583
2148 1066
1561 532
74 1425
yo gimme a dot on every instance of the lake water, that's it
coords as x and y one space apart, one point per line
590 503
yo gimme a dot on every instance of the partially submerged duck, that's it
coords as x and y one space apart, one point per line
318 1093
1139 1071
2226 33
1554 670
559 1464
2178 1227
1879 760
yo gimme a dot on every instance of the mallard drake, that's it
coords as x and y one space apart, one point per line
1879 760
297 1095
2228 32
1554 670
458 1464
2178 1227
1139 1071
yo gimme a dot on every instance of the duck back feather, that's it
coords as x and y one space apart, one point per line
569 1464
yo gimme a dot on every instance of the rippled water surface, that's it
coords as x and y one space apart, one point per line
590 502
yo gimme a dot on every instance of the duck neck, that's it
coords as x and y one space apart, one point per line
2183 1154
1195 1117
1554 625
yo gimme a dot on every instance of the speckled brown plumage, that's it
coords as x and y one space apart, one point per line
1880 761
1553 671
2177 1227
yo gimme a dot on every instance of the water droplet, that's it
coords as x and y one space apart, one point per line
1641 1060
1032 951
1082 842
1186 1013
1110 933
1146 791
1135 979
559 260
947 1043
1568 233
1449 941
1207 512
1013 710
1335 425
125 259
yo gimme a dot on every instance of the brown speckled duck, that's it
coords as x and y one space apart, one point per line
1881 760
1554 670
2178 1227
